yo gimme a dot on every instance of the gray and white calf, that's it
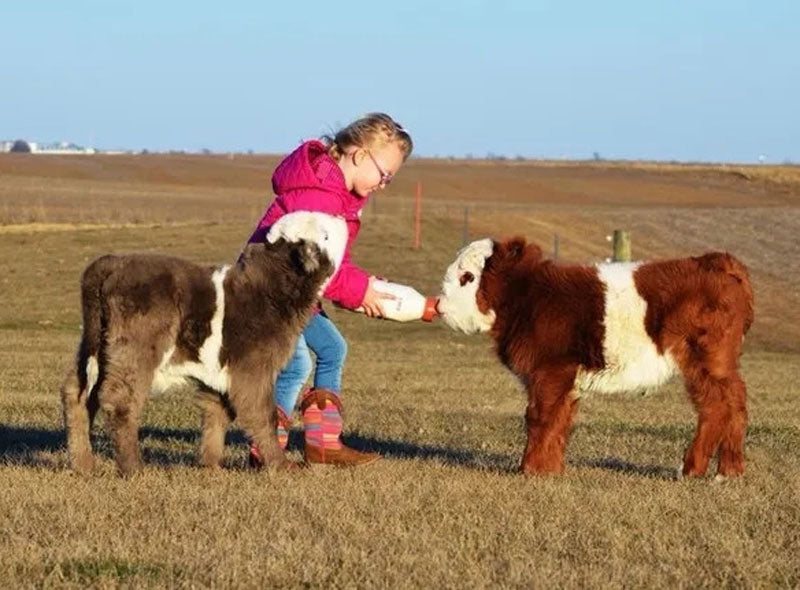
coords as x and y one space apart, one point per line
151 321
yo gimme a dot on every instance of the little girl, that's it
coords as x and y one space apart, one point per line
335 176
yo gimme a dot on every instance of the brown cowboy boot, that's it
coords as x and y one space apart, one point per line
322 426
283 425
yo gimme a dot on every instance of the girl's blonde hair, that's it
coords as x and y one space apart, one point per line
371 130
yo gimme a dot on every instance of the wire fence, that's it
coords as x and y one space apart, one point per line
473 217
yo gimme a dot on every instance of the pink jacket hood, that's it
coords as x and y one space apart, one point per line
308 179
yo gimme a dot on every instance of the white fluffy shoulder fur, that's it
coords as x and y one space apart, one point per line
632 361
329 232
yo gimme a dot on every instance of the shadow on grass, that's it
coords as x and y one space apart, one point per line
23 439
503 463
663 432
621 466
471 459
24 445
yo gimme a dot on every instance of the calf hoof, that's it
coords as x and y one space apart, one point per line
532 469
691 468
730 467
290 466
82 464
728 471
129 472
254 460
211 466
128 469
257 463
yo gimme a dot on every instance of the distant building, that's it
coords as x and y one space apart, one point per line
32 147
61 147
21 146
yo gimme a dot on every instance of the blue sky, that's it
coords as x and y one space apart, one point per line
686 80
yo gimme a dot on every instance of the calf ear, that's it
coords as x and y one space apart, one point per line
515 247
518 248
306 256
466 277
534 251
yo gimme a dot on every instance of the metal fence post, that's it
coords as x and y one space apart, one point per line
622 246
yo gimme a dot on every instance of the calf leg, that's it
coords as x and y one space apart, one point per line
128 377
122 403
551 409
77 422
216 418
135 346
710 368
255 409
731 448
716 419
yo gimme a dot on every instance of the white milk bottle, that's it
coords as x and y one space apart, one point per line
408 305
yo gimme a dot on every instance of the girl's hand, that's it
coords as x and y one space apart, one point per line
372 300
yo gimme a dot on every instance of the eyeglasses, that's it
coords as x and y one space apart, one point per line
386 178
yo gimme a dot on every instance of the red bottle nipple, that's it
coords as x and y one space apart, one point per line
431 310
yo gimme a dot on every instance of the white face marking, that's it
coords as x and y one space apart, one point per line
457 303
326 231
631 357
208 370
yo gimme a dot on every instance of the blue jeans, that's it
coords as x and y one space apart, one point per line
323 338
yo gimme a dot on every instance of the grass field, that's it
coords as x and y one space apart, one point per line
445 506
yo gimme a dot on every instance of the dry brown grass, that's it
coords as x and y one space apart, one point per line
219 188
444 508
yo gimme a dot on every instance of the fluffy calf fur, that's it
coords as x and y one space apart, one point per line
568 330
150 321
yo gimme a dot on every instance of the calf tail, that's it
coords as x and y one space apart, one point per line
92 311
78 400
736 269
722 262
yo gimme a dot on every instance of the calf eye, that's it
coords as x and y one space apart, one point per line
467 277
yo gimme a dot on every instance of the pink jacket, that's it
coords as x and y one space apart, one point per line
308 179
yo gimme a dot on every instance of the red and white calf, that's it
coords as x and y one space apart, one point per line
610 328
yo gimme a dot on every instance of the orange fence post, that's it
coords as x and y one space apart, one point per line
418 217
